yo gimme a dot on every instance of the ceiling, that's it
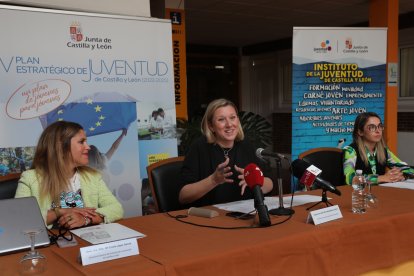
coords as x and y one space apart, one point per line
241 23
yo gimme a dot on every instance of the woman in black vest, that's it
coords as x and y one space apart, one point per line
369 153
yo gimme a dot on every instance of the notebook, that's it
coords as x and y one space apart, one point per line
18 215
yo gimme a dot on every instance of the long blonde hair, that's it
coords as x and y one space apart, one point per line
52 156
208 119
360 122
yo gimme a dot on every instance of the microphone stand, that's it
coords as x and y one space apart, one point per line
281 211
323 200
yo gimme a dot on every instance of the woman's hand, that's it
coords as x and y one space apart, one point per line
73 220
242 182
86 212
222 173
96 219
78 217
393 175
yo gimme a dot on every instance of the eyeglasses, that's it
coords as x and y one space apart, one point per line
373 128
62 234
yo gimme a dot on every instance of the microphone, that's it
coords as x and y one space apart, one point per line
254 179
308 174
262 153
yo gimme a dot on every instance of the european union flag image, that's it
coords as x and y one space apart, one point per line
95 117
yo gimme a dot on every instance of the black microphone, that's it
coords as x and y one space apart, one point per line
254 179
262 153
300 169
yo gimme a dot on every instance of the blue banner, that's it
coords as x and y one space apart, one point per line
95 117
337 73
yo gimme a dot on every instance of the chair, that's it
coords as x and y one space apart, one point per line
329 160
8 185
163 179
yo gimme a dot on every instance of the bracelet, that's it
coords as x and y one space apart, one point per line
87 221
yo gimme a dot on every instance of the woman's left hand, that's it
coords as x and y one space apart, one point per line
72 220
242 182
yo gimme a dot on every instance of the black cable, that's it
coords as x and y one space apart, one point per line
180 217
62 234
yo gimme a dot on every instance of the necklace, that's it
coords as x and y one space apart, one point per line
225 151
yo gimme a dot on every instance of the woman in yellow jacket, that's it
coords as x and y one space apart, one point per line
69 193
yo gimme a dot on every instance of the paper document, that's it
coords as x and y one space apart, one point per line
407 184
247 206
244 206
106 233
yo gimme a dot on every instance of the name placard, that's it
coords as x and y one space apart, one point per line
108 251
324 215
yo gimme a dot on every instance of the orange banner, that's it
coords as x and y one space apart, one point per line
177 18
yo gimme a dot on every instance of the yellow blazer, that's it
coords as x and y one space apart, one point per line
95 194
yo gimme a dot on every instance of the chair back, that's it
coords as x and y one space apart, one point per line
8 185
330 161
164 182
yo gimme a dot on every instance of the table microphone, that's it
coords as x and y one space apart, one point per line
254 179
309 174
262 154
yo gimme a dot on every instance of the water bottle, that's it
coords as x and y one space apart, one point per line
358 194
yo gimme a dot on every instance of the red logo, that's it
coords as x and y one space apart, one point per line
348 43
75 31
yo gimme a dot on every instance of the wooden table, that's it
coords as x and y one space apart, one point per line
357 243
63 261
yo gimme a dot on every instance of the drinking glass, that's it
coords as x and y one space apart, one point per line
32 262
372 200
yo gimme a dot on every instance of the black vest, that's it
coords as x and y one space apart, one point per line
360 165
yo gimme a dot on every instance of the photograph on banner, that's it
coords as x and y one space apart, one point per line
92 73
156 121
15 160
337 74
157 132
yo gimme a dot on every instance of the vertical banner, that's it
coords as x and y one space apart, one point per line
337 74
108 73
177 18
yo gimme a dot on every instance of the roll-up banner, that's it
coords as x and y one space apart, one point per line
111 74
337 74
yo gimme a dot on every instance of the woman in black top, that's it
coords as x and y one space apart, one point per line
213 168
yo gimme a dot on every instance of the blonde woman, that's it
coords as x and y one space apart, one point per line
69 193
213 168
369 153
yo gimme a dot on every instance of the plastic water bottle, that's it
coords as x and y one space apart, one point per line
358 194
